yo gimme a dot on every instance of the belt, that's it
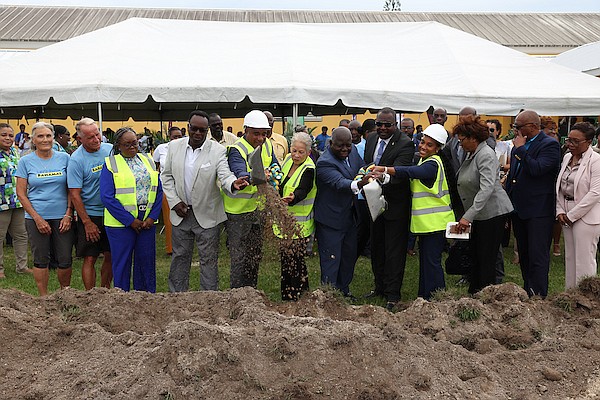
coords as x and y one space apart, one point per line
142 207
569 198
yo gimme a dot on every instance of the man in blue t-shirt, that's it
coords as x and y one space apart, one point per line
84 186
322 139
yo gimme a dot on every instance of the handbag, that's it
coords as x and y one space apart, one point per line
459 261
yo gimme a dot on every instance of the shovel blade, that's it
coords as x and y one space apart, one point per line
258 170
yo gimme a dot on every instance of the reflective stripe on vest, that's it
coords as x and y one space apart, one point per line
431 209
125 187
303 210
244 201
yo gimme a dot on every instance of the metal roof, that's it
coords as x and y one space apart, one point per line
541 33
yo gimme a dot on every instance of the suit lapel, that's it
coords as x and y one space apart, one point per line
389 148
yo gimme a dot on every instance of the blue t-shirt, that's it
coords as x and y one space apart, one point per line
46 183
84 173
322 141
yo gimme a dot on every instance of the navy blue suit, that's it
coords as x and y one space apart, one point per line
531 187
335 217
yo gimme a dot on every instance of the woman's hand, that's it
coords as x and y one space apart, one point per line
136 225
288 199
43 227
65 224
147 224
564 220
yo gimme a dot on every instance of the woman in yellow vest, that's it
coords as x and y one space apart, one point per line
131 191
431 206
298 190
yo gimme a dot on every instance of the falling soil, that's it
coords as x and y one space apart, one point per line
107 344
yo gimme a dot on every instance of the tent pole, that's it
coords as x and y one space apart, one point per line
294 115
100 116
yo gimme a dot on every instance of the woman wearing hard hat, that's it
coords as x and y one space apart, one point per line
431 206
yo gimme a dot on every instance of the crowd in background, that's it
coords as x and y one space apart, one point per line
473 179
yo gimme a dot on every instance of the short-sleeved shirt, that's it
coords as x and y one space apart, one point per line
46 183
84 173
160 155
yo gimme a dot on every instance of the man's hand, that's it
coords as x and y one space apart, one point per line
136 225
240 183
92 232
463 226
519 140
365 180
181 209
147 224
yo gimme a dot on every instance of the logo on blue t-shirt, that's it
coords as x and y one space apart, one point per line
49 174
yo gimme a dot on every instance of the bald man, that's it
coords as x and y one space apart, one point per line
534 165
335 210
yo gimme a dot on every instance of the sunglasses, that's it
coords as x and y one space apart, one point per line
492 130
386 124
194 129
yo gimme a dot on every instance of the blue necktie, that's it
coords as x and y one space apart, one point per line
379 152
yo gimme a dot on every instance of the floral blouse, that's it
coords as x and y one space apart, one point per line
142 178
8 180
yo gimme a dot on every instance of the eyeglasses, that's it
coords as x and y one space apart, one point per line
574 141
194 129
130 144
406 128
386 124
519 127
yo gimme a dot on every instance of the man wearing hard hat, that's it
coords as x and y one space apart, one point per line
244 224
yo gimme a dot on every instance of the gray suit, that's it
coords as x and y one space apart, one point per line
205 212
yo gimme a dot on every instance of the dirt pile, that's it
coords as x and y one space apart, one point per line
239 345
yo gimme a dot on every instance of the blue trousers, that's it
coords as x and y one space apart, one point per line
431 274
337 253
125 243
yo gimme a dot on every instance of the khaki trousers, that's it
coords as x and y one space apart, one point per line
13 222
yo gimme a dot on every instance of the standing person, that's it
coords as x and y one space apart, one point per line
20 135
362 209
192 169
357 139
486 204
278 141
431 207
549 127
534 165
578 203
335 212
322 139
244 223
84 186
298 190
12 215
160 156
131 192
42 190
217 133
389 232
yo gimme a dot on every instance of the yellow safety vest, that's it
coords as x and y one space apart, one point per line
431 209
125 188
303 210
244 201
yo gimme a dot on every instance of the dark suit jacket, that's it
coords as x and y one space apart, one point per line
334 201
531 185
399 151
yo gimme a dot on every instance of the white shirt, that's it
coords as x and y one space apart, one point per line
160 155
379 144
191 156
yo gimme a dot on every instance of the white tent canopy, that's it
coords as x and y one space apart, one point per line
143 66
584 58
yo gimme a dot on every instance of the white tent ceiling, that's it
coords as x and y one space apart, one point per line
163 68
584 58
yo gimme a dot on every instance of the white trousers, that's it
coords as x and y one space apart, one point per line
581 241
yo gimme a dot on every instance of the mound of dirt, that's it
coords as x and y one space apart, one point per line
238 345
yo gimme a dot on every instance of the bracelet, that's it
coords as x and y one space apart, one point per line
68 216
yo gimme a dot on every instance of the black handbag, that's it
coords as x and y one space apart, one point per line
459 259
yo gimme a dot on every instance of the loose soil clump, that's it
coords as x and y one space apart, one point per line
106 344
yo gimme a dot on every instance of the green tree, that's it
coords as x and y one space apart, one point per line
391 5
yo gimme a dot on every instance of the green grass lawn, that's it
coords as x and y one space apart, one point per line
269 274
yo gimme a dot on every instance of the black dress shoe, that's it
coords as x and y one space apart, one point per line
390 305
372 294
350 297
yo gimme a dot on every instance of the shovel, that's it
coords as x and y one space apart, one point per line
257 175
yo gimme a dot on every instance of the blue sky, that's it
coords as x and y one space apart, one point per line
372 5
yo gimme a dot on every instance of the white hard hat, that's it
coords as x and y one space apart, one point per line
437 132
256 119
